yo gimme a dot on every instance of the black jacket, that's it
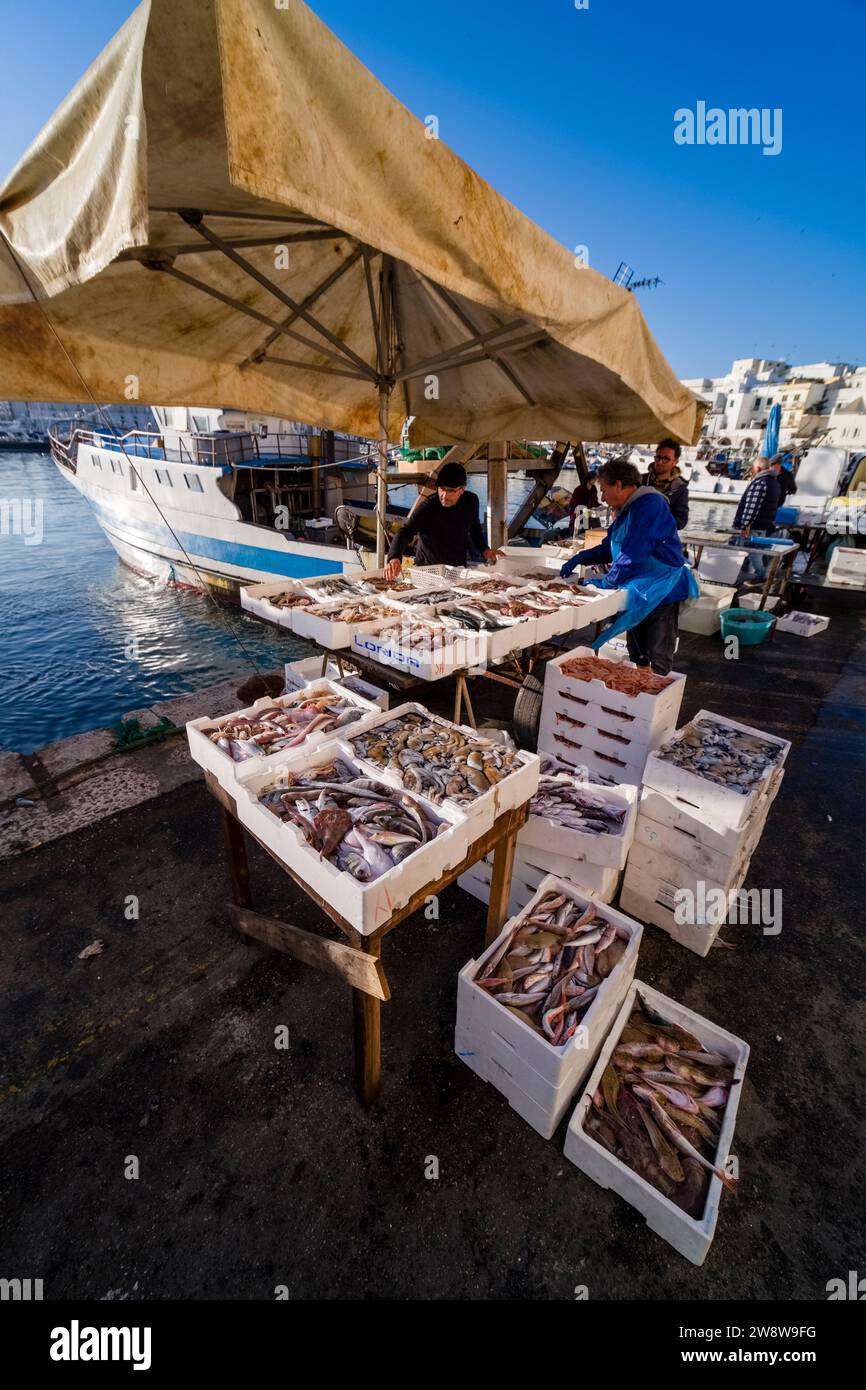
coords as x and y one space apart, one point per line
759 503
787 486
444 533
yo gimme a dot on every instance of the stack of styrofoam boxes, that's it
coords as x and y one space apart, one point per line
691 1236
591 863
589 724
694 840
537 1079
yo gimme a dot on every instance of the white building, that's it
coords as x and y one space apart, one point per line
821 402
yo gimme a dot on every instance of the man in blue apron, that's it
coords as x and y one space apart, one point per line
646 559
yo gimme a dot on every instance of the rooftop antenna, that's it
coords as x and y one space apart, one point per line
625 277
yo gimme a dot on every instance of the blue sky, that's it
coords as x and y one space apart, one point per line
570 114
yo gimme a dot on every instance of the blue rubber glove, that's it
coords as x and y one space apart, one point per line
569 566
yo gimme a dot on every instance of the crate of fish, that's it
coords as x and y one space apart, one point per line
451 765
568 817
694 825
571 749
503 625
616 686
554 616
803 624
424 647
334 623
540 1000
551 766
362 846
718 765
581 713
253 738
276 602
600 605
424 602
656 1120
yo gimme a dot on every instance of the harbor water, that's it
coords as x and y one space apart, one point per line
85 640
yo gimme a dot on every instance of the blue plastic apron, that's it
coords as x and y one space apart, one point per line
644 593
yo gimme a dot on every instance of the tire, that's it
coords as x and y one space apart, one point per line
527 709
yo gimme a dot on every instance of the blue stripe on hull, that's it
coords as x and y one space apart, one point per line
280 563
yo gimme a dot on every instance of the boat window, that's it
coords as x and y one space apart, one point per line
199 422
117 466
97 463
193 482
163 476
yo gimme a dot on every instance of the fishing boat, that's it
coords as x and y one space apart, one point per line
218 500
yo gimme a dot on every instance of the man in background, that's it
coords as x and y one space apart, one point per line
756 513
664 475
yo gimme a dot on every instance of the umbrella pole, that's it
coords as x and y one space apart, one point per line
382 477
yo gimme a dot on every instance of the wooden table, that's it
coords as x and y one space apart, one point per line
360 962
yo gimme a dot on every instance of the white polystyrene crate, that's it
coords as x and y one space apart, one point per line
598 716
659 711
630 747
803 624
614 650
532 865
365 906
847 566
722 565
581 755
331 634
256 599
208 755
543 1121
754 601
689 1236
603 604
676 872
478 1012
480 889
496 646
609 850
513 790
552 766
707 863
549 622
722 803
704 615
454 652
696 825
647 900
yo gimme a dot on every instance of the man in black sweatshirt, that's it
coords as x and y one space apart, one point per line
445 524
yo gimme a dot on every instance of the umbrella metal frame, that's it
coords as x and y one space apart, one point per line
388 371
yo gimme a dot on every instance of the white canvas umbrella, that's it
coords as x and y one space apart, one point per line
230 209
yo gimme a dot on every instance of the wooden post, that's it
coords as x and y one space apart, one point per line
315 458
236 858
367 1014
497 494
500 887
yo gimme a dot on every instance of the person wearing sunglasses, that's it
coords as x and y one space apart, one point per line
664 475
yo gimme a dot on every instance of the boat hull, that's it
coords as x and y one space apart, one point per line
202 544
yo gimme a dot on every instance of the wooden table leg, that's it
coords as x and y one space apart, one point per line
236 857
500 887
368 1034
470 713
770 580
